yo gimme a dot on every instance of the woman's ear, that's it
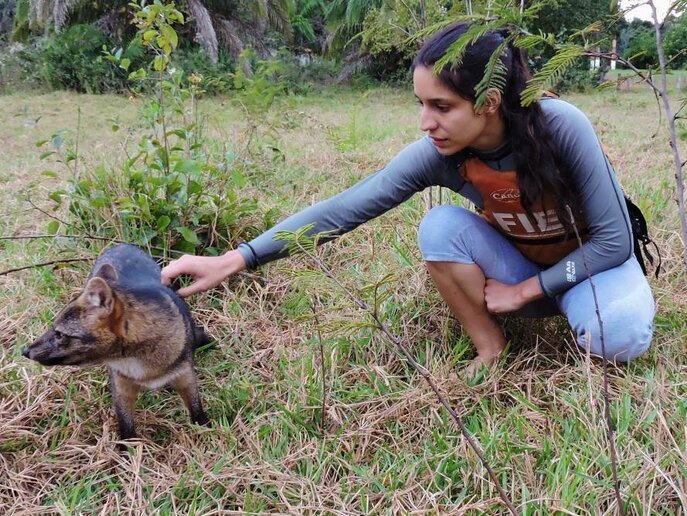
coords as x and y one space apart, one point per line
492 102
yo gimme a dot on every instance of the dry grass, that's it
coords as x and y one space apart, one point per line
384 444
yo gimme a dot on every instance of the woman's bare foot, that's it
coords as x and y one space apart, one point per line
481 364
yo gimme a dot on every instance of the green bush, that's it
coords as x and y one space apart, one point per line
302 73
577 80
172 192
17 68
71 60
216 76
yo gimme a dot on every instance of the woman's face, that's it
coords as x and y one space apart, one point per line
450 120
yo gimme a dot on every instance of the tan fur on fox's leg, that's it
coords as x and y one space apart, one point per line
124 395
187 386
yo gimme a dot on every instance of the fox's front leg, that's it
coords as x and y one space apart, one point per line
124 394
186 385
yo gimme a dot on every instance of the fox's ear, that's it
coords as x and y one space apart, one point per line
98 294
107 272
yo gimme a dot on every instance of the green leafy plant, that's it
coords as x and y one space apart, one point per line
70 60
171 192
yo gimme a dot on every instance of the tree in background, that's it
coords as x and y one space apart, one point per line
637 42
345 21
308 20
675 42
231 24
389 32
6 18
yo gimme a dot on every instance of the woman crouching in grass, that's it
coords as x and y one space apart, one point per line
526 169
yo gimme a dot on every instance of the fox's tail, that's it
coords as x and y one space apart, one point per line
201 339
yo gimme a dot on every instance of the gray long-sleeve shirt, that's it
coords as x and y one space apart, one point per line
420 165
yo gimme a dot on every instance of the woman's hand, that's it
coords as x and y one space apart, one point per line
502 298
207 271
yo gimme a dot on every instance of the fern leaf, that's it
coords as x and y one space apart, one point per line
494 76
530 41
592 28
551 72
454 54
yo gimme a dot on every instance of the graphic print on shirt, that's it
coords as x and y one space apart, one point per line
540 236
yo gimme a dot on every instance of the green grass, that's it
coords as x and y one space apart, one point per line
384 444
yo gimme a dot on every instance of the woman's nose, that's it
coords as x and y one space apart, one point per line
427 121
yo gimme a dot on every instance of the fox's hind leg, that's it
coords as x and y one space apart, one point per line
124 394
186 385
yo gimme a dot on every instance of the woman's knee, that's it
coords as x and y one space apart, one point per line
441 230
626 309
626 334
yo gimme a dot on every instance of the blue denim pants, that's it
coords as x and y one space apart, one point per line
453 234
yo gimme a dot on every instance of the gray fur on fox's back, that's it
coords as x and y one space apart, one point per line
139 275
134 267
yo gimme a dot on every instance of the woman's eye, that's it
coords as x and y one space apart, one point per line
442 109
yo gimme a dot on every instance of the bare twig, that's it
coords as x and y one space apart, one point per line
322 366
661 94
76 142
420 369
244 274
48 214
48 235
671 129
43 264
607 401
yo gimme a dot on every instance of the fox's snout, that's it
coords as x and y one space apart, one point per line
44 351
50 349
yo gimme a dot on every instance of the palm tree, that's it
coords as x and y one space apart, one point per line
345 20
232 24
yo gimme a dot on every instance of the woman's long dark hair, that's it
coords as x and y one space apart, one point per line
526 129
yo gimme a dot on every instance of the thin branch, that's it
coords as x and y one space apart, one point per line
671 130
84 237
245 274
49 215
646 79
43 264
76 142
322 366
420 369
607 401
88 237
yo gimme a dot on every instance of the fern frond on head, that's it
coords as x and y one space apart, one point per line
551 72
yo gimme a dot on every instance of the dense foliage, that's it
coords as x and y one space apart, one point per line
171 192
638 41
315 40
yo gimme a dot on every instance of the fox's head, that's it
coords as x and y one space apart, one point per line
86 331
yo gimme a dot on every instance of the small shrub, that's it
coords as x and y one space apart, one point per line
171 193
216 77
16 68
70 60
303 72
577 80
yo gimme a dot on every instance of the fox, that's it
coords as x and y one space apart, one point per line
126 319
